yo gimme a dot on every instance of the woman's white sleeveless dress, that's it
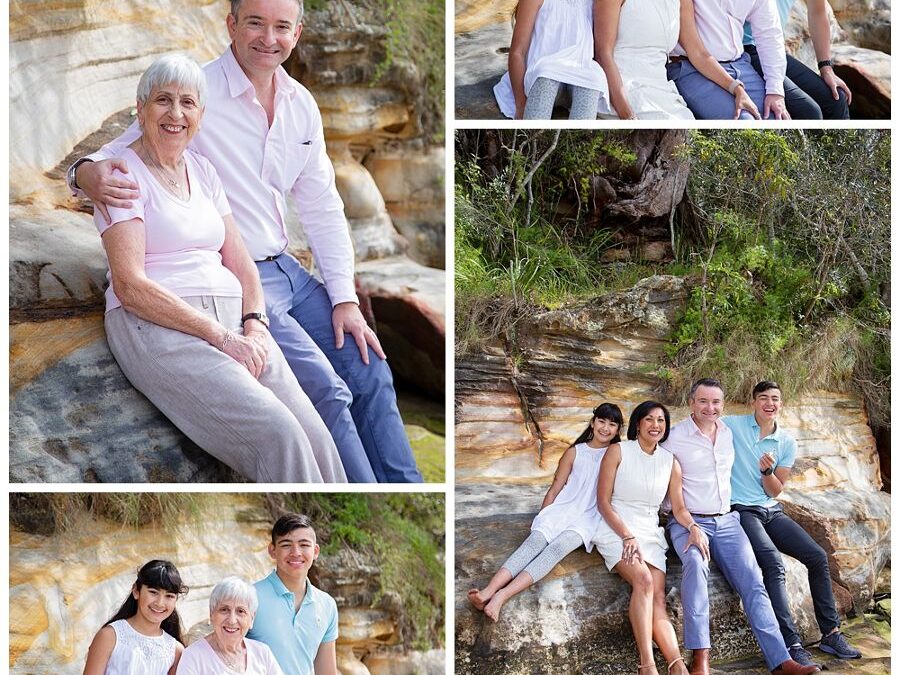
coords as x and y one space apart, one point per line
575 507
136 654
642 481
561 49
648 32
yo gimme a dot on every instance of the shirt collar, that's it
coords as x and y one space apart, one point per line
776 435
282 590
238 82
696 430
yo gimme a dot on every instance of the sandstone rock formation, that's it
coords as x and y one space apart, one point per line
518 408
860 38
73 416
63 589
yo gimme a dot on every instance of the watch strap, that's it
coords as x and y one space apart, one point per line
258 316
825 62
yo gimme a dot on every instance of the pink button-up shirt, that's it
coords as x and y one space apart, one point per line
705 467
720 24
259 164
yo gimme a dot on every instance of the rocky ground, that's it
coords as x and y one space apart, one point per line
860 37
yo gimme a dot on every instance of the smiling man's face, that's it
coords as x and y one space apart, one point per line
707 405
264 34
766 405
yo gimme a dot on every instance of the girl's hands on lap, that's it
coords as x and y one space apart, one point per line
743 102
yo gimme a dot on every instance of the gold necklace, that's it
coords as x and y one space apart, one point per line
160 172
236 666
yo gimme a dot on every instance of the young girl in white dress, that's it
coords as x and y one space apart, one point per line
635 477
144 636
567 519
632 42
552 46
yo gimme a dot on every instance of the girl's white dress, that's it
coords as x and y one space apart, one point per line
642 481
137 654
575 507
561 49
648 32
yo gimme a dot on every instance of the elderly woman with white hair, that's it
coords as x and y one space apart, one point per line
232 606
185 315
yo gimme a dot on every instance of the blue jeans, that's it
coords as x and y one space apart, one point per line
706 99
771 533
730 548
806 95
357 402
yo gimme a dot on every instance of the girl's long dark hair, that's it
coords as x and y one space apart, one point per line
604 411
162 575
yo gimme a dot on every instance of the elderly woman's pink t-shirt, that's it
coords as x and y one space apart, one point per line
183 238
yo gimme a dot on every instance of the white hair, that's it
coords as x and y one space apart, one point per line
176 69
233 588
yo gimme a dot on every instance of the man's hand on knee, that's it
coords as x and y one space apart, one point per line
774 104
346 318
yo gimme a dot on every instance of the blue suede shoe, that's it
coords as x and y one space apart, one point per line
836 645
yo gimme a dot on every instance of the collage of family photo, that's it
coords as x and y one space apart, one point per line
387 337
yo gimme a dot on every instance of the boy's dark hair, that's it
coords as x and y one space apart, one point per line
706 382
290 522
765 385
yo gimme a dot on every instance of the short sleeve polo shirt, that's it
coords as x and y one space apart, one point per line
746 479
294 638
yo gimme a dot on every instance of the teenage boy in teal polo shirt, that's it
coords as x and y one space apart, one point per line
295 619
763 456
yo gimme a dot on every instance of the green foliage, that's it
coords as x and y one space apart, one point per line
785 237
415 35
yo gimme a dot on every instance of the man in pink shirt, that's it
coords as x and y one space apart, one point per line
263 133
702 444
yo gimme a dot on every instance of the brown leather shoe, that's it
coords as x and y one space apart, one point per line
791 667
700 662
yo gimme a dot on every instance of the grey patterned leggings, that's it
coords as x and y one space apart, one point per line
542 97
539 555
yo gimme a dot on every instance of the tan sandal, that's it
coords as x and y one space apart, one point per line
673 662
649 665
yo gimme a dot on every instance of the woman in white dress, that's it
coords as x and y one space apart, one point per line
632 42
144 636
568 517
635 477
552 46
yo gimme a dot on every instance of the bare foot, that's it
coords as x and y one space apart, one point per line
492 609
476 599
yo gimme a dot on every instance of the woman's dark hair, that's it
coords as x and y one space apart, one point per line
604 411
164 576
640 413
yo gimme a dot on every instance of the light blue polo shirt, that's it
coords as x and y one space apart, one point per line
784 11
293 638
746 479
